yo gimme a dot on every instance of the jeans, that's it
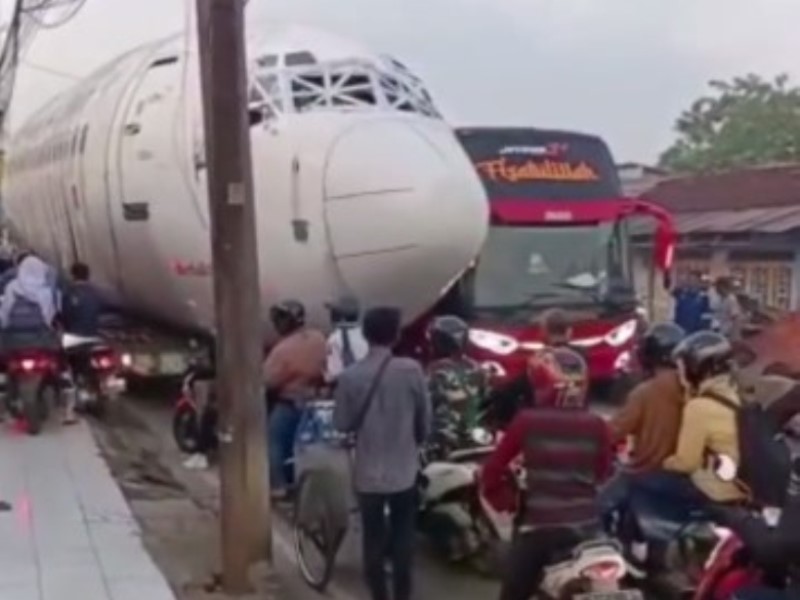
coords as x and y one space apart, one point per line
400 540
530 553
764 593
659 503
668 487
283 422
614 493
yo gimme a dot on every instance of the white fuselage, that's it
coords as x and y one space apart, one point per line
356 191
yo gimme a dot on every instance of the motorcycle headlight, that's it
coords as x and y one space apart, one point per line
482 436
494 342
621 334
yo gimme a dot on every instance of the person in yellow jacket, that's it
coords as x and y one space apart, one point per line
708 427
708 431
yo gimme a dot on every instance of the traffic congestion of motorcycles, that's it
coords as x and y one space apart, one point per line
645 544
652 547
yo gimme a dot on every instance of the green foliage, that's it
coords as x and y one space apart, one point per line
746 122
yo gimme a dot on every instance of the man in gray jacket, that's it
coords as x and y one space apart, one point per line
383 400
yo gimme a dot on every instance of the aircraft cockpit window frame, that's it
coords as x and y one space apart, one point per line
352 84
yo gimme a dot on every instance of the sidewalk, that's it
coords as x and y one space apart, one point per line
70 534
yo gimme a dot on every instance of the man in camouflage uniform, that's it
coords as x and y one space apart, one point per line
458 385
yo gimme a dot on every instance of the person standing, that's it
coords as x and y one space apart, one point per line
383 402
692 304
293 372
346 343
726 309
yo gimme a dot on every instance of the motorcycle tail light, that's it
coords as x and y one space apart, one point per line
104 362
603 571
31 364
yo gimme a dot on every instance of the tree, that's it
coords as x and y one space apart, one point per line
746 122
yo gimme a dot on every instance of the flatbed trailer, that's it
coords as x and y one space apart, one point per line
151 352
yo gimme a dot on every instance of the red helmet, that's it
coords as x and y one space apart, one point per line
559 378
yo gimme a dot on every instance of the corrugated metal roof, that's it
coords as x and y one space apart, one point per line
763 220
759 220
762 187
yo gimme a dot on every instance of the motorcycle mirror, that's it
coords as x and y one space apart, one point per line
725 467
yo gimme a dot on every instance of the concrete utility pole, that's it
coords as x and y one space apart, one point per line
245 509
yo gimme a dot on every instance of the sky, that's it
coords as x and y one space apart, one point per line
623 69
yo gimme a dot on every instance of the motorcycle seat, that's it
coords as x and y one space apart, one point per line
595 545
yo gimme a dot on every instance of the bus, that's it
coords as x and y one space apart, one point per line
559 237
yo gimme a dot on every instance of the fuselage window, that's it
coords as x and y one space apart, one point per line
296 59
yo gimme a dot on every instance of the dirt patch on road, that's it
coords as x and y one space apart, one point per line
177 515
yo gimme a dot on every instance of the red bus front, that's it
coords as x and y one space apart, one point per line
559 237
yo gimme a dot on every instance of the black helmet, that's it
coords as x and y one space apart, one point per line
344 310
447 336
288 316
657 345
703 355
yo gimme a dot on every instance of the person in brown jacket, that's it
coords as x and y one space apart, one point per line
651 417
293 371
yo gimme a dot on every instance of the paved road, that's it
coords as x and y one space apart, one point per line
434 579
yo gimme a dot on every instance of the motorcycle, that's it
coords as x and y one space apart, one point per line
94 366
679 541
727 570
189 410
594 569
32 386
452 514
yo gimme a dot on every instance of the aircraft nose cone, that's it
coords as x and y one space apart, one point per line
405 210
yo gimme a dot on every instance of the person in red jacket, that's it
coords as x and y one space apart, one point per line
567 454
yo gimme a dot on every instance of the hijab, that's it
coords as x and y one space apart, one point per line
33 283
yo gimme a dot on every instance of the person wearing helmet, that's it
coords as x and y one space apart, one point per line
705 365
708 428
519 393
346 343
567 454
458 385
293 372
651 417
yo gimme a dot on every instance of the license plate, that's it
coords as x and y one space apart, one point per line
615 595
172 364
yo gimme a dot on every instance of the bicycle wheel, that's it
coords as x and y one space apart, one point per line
316 538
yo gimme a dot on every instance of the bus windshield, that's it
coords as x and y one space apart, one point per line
524 270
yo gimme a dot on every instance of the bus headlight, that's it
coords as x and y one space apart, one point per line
493 342
621 334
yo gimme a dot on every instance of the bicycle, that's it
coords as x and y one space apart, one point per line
322 508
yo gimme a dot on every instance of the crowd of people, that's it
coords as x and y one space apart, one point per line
700 306
680 415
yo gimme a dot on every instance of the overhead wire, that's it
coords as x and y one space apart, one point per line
27 17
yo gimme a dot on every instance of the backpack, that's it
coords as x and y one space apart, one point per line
348 355
764 458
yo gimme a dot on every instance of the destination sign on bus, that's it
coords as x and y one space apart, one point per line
502 169
548 165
